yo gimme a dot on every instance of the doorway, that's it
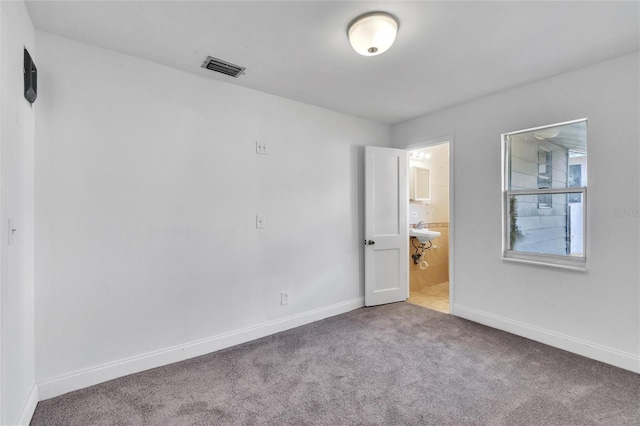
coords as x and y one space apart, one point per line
430 189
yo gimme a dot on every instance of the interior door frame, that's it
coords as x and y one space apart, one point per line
425 144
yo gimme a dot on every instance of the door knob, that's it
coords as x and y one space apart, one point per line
371 242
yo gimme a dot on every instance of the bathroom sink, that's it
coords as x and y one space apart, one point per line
423 235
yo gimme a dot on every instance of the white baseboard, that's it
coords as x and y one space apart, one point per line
84 378
587 349
29 408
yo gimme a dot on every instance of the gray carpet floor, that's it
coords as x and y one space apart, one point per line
395 364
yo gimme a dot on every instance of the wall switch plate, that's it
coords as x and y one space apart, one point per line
260 221
261 148
284 298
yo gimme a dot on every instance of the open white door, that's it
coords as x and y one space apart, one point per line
386 228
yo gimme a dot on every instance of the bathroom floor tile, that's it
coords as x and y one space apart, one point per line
434 297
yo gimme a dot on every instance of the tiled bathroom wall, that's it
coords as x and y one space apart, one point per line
437 257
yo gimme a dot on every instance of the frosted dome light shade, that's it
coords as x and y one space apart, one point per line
548 133
373 33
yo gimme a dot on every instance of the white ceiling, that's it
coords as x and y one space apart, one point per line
446 52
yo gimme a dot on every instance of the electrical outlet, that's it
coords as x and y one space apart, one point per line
260 221
284 298
261 148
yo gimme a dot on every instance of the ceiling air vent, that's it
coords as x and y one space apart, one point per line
218 65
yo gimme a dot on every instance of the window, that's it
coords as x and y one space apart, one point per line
545 195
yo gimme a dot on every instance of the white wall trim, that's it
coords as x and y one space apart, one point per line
29 408
601 353
91 376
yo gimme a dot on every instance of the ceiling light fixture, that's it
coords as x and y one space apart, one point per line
419 155
372 33
548 133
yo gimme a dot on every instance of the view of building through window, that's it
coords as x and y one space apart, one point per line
545 188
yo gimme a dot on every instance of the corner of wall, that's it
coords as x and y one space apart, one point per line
18 393
26 414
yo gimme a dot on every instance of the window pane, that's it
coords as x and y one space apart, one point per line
542 158
556 230
576 176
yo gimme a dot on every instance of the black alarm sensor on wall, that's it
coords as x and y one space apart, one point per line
30 78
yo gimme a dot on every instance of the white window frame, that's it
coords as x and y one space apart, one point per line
577 263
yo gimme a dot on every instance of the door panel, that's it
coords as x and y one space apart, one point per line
386 263
386 226
385 189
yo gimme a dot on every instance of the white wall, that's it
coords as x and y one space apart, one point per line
18 394
596 313
147 188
